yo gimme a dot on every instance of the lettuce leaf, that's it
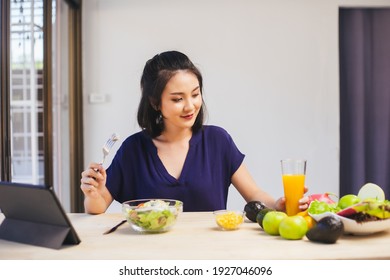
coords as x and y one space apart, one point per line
319 207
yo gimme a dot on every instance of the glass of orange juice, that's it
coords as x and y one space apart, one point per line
293 172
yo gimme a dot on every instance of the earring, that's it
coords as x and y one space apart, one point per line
159 118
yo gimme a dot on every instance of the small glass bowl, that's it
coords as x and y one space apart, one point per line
229 219
152 215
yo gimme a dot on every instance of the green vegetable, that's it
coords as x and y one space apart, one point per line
154 215
151 219
319 207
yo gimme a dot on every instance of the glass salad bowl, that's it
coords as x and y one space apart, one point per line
152 215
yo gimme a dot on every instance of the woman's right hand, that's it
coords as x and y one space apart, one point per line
93 180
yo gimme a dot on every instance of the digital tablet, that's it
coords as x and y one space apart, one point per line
34 215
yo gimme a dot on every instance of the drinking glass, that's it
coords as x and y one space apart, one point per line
293 174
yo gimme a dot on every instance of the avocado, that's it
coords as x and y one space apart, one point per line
252 208
327 230
260 216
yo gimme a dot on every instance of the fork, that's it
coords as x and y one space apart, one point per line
108 145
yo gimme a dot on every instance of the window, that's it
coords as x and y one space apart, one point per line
26 91
41 98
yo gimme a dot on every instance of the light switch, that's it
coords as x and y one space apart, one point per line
97 98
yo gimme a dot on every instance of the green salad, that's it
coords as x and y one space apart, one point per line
154 215
319 207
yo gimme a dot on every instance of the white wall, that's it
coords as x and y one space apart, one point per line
270 76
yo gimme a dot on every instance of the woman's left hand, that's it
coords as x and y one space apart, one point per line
304 201
280 204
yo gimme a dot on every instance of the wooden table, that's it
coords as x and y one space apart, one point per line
194 237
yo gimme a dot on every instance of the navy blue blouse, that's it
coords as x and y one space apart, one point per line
137 172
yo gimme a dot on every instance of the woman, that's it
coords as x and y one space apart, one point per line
174 155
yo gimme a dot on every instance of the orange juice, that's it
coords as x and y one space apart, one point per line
293 191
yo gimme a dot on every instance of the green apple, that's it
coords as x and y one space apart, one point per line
293 227
348 200
272 220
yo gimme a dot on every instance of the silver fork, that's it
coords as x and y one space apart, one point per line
108 145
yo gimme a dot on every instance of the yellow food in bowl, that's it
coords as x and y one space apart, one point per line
229 220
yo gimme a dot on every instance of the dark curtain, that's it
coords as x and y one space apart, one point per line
364 98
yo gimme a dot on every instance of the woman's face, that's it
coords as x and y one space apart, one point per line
181 101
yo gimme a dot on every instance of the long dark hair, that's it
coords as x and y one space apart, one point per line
157 72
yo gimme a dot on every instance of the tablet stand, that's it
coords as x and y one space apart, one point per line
44 235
